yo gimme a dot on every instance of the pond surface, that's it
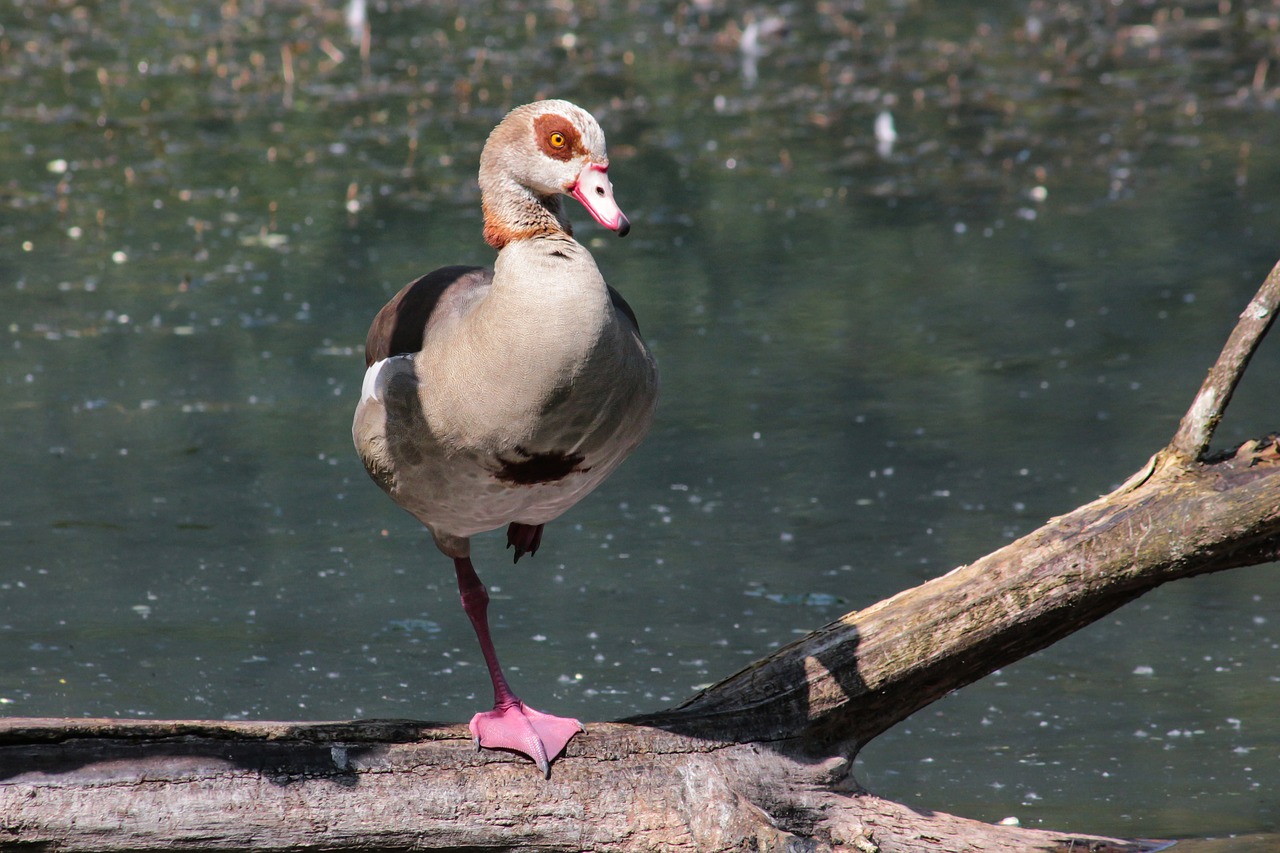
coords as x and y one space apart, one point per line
884 354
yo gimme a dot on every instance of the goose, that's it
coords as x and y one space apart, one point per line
502 397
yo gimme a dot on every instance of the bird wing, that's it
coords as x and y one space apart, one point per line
401 326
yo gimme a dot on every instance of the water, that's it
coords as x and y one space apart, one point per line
876 366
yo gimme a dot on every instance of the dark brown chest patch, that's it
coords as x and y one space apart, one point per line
534 468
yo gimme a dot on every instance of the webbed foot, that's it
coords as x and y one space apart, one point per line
518 727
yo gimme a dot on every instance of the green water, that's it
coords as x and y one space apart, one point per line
876 366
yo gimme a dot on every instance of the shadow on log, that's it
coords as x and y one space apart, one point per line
760 761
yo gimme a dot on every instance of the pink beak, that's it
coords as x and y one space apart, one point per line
596 194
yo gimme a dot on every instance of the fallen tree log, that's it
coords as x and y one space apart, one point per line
760 761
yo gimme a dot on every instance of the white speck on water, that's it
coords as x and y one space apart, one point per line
886 133
1143 669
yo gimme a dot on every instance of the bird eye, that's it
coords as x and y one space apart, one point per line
556 139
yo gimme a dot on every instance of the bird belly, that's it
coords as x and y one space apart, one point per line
462 496
460 480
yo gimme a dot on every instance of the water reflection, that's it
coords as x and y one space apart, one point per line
877 366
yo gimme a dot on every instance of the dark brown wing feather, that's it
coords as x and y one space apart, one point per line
621 306
401 325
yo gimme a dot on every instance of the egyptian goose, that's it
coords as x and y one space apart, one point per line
502 397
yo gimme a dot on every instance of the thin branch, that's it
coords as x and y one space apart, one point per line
1191 441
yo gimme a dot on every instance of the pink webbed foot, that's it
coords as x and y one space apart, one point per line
522 729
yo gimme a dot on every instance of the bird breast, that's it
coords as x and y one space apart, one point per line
541 365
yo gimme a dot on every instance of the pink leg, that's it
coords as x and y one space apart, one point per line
524 538
511 724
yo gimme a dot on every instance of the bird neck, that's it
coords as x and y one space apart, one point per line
512 212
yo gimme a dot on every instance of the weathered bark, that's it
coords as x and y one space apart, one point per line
118 785
759 761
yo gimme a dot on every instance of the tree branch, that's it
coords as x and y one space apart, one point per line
119 785
848 682
853 679
1191 441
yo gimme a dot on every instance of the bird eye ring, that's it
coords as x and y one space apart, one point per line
556 139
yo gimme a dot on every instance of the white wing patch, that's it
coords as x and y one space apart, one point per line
369 389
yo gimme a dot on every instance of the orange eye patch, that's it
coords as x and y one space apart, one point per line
557 137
